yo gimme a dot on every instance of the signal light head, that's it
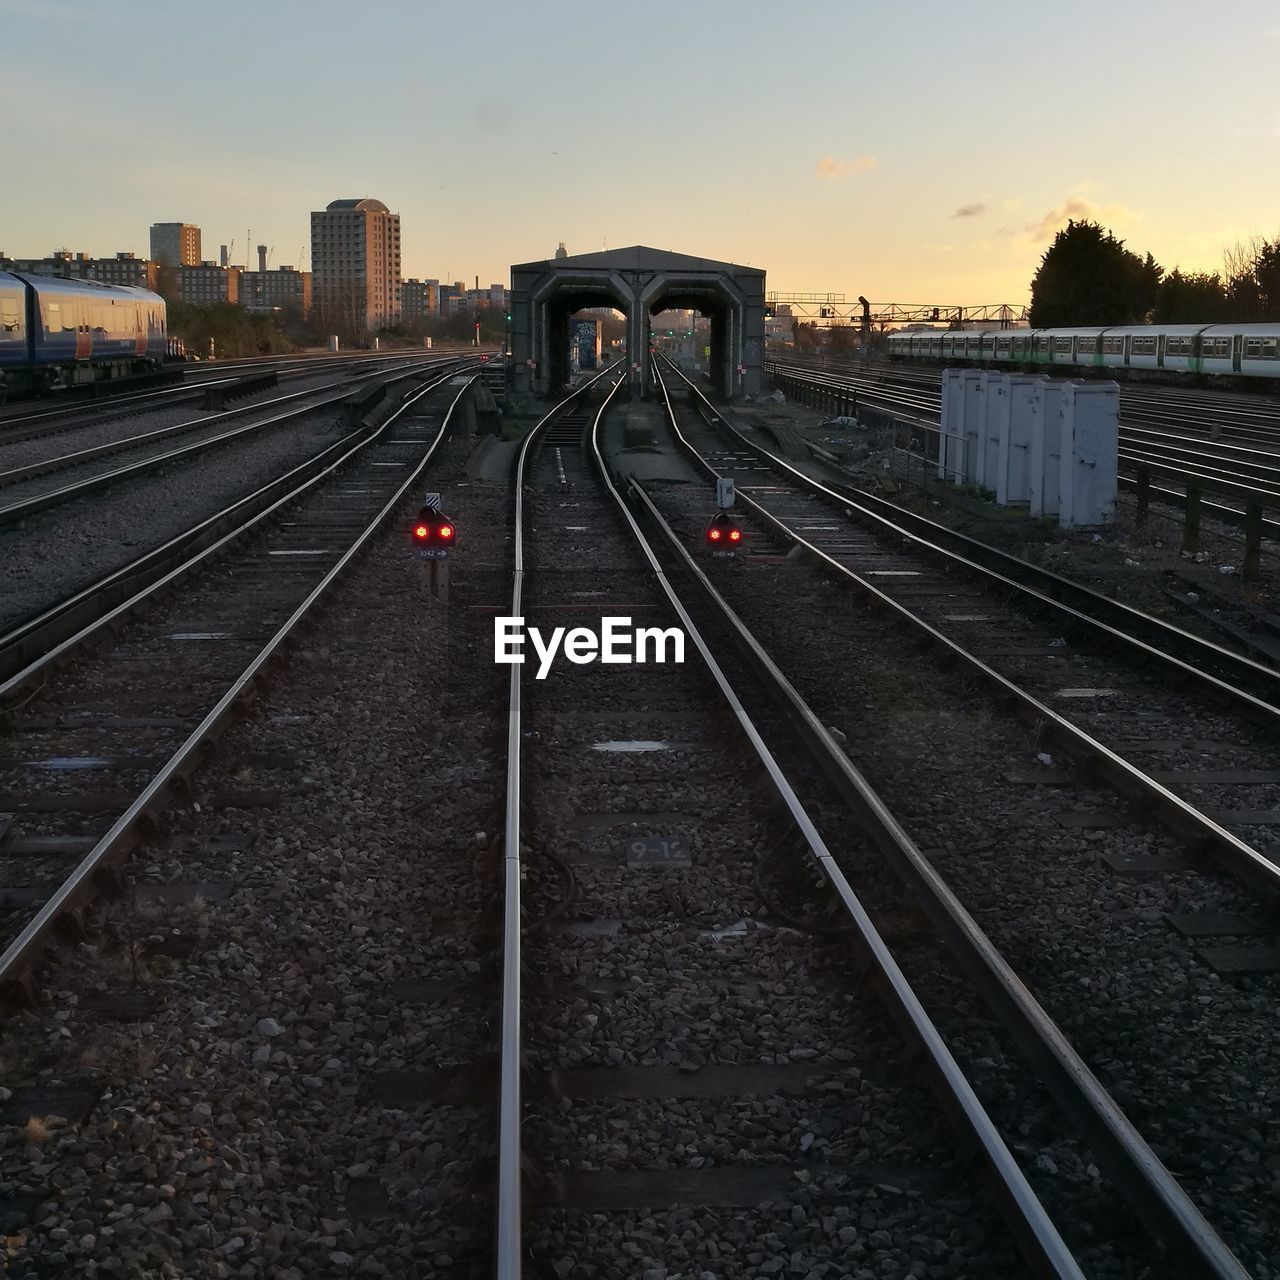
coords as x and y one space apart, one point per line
431 526
723 528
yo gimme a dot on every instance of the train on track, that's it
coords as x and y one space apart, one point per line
59 333
1215 351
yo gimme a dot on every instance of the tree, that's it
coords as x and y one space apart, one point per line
805 335
840 338
233 331
1195 297
1087 276
1266 270
1244 297
1251 274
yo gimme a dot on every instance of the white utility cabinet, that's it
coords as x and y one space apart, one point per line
1090 414
1046 446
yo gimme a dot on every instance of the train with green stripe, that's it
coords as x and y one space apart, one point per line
1209 350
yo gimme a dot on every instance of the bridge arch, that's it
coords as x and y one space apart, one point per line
640 282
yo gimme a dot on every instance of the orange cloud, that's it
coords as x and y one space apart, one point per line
1078 209
830 167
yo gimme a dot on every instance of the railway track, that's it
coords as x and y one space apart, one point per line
698 1076
21 421
1216 415
1179 448
300 961
638 900
1090 730
32 487
164 689
122 587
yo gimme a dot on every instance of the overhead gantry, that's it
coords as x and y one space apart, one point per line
641 283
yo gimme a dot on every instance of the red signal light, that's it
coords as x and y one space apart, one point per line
432 527
723 528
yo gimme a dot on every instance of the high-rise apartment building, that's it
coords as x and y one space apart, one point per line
355 265
175 244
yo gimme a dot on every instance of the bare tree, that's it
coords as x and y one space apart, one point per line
1240 279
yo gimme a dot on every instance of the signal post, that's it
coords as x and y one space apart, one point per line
434 535
724 533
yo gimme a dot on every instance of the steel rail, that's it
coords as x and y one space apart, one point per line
1227 515
217 375
904 408
1216 478
1035 1231
1166 1210
1069 601
1264 460
1239 857
21 509
18 959
509 1235
1171 419
35 636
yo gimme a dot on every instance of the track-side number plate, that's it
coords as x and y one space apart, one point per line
658 851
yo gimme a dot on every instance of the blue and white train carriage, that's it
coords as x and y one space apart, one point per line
56 332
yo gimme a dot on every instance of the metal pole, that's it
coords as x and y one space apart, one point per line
1191 530
1252 569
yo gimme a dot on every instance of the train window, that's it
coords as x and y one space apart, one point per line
1113 346
1143 347
10 316
1269 348
1062 344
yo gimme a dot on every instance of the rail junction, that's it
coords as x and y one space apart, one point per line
921 922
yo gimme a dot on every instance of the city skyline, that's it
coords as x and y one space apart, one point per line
840 153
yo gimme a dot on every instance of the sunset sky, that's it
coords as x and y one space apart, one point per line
919 152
